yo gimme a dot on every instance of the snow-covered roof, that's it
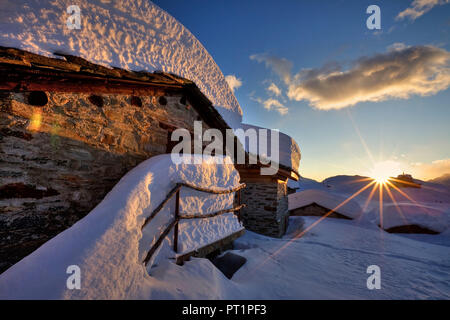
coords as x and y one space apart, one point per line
130 34
325 199
289 151
410 214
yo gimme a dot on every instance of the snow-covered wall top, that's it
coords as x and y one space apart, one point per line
130 34
325 199
108 244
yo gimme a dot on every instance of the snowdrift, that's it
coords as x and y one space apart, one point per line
325 199
130 34
108 245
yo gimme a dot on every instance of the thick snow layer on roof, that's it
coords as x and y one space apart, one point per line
108 245
289 151
130 34
325 199
410 214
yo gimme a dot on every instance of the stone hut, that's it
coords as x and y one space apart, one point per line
322 203
266 199
266 196
70 129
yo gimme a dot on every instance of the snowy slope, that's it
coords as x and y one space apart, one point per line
108 244
306 184
325 199
130 34
442 180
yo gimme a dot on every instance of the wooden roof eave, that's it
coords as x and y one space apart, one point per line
25 71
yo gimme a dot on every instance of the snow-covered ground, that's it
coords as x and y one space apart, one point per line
328 262
325 259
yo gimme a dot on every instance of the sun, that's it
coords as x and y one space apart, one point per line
383 171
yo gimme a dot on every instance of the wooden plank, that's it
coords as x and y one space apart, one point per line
177 214
161 205
239 187
239 203
158 242
210 215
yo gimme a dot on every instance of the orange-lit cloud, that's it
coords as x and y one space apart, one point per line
431 170
421 70
396 74
233 82
274 89
419 170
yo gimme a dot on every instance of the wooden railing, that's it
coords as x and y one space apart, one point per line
177 217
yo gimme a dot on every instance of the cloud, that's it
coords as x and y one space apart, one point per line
399 73
281 66
272 104
233 82
273 88
419 170
397 46
418 8
431 170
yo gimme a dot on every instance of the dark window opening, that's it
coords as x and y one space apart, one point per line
96 100
37 98
170 144
136 101
162 100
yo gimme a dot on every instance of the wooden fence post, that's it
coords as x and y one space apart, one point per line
177 218
239 203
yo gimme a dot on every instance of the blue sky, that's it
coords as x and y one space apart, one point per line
409 133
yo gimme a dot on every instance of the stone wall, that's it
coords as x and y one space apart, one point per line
267 207
60 153
316 210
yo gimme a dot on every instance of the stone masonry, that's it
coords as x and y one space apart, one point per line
267 207
58 160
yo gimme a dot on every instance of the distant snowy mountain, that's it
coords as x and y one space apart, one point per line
443 180
305 184
432 194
